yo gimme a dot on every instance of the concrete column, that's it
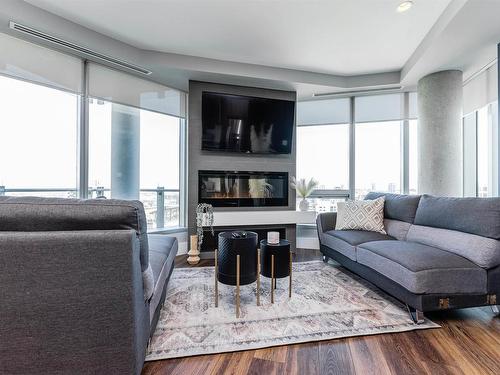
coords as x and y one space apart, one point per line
440 134
125 152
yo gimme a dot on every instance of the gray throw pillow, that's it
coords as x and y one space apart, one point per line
361 215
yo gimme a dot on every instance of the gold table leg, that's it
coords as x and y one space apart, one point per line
216 279
290 284
272 279
258 277
237 286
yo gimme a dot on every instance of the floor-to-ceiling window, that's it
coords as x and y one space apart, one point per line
382 132
323 136
484 149
135 132
324 156
481 134
136 154
38 139
378 157
413 157
129 145
480 151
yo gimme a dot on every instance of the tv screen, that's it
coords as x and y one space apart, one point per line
247 124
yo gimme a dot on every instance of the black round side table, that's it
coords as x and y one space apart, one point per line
237 262
276 260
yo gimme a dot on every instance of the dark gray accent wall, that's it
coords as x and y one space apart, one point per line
199 159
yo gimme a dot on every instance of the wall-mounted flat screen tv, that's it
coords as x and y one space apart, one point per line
247 124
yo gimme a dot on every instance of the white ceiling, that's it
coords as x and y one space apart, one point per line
309 46
342 37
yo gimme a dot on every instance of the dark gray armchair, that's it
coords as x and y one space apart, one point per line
80 286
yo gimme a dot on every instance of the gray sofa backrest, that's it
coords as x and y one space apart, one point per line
34 214
479 216
397 228
483 251
398 206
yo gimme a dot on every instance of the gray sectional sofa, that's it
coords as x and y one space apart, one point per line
439 253
81 285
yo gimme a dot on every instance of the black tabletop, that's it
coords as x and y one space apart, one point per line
230 235
281 243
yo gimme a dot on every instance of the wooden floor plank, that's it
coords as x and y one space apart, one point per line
451 352
275 354
303 359
335 358
399 356
233 363
166 367
367 356
261 366
467 344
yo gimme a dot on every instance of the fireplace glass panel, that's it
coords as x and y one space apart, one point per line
243 189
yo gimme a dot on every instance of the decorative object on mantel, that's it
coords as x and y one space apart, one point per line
194 252
273 238
303 189
204 218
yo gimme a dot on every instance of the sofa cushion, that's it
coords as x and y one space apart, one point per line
34 214
361 215
423 269
345 241
162 252
479 216
397 229
483 251
398 206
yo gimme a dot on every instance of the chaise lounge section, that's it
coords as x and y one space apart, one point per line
81 283
439 253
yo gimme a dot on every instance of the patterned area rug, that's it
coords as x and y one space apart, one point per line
328 302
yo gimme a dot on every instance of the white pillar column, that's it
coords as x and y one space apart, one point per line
440 167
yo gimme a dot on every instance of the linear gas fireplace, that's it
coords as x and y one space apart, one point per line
243 189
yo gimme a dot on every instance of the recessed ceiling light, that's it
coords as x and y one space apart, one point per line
404 6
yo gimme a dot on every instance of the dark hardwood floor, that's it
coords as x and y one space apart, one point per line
468 343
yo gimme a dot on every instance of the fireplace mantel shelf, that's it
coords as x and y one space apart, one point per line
229 218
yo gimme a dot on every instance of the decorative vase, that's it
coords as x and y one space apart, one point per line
304 205
193 253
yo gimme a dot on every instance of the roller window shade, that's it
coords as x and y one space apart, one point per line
318 112
379 108
115 86
413 111
481 90
31 62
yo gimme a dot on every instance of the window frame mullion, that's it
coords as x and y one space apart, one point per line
83 141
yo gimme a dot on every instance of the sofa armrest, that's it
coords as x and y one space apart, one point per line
71 302
326 221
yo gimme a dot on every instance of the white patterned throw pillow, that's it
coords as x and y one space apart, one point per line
361 215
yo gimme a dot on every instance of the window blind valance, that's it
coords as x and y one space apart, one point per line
481 90
115 86
326 111
385 107
31 62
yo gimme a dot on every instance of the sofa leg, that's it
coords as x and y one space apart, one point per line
325 259
495 309
416 315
